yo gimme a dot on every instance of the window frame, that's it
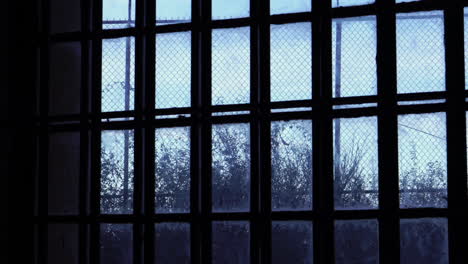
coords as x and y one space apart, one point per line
323 215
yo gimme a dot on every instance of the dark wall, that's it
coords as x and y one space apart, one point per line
17 147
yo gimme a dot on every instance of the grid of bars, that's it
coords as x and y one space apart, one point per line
263 221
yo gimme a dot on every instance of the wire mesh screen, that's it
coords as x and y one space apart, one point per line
354 47
420 52
173 68
422 150
118 14
173 11
355 163
118 74
117 171
291 165
341 3
226 9
230 69
291 62
172 170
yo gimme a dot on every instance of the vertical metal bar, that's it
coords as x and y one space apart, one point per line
84 134
206 130
95 133
337 122
316 95
139 132
456 132
195 134
149 133
255 224
43 134
264 155
323 140
387 133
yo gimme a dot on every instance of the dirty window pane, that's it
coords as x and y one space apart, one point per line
291 62
420 52
423 241
231 167
230 70
117 170
231 242
355 163
173 170
291 242
172 243
118 74
422 155
354 51
116 244
356 241
291 161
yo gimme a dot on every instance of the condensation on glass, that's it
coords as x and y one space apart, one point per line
354 51
291 242
65 78
117 171
355 163
63 173
227 9
424 241
356 241
173 70
116 243
420 52
230 242
291 6
118 14
291 165
422 160
231 167
342 3
291 62
62 244
172 170
172 243
230 70
173 11
118 74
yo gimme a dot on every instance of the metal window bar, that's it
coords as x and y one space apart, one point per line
261 117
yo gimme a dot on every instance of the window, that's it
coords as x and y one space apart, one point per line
253 132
